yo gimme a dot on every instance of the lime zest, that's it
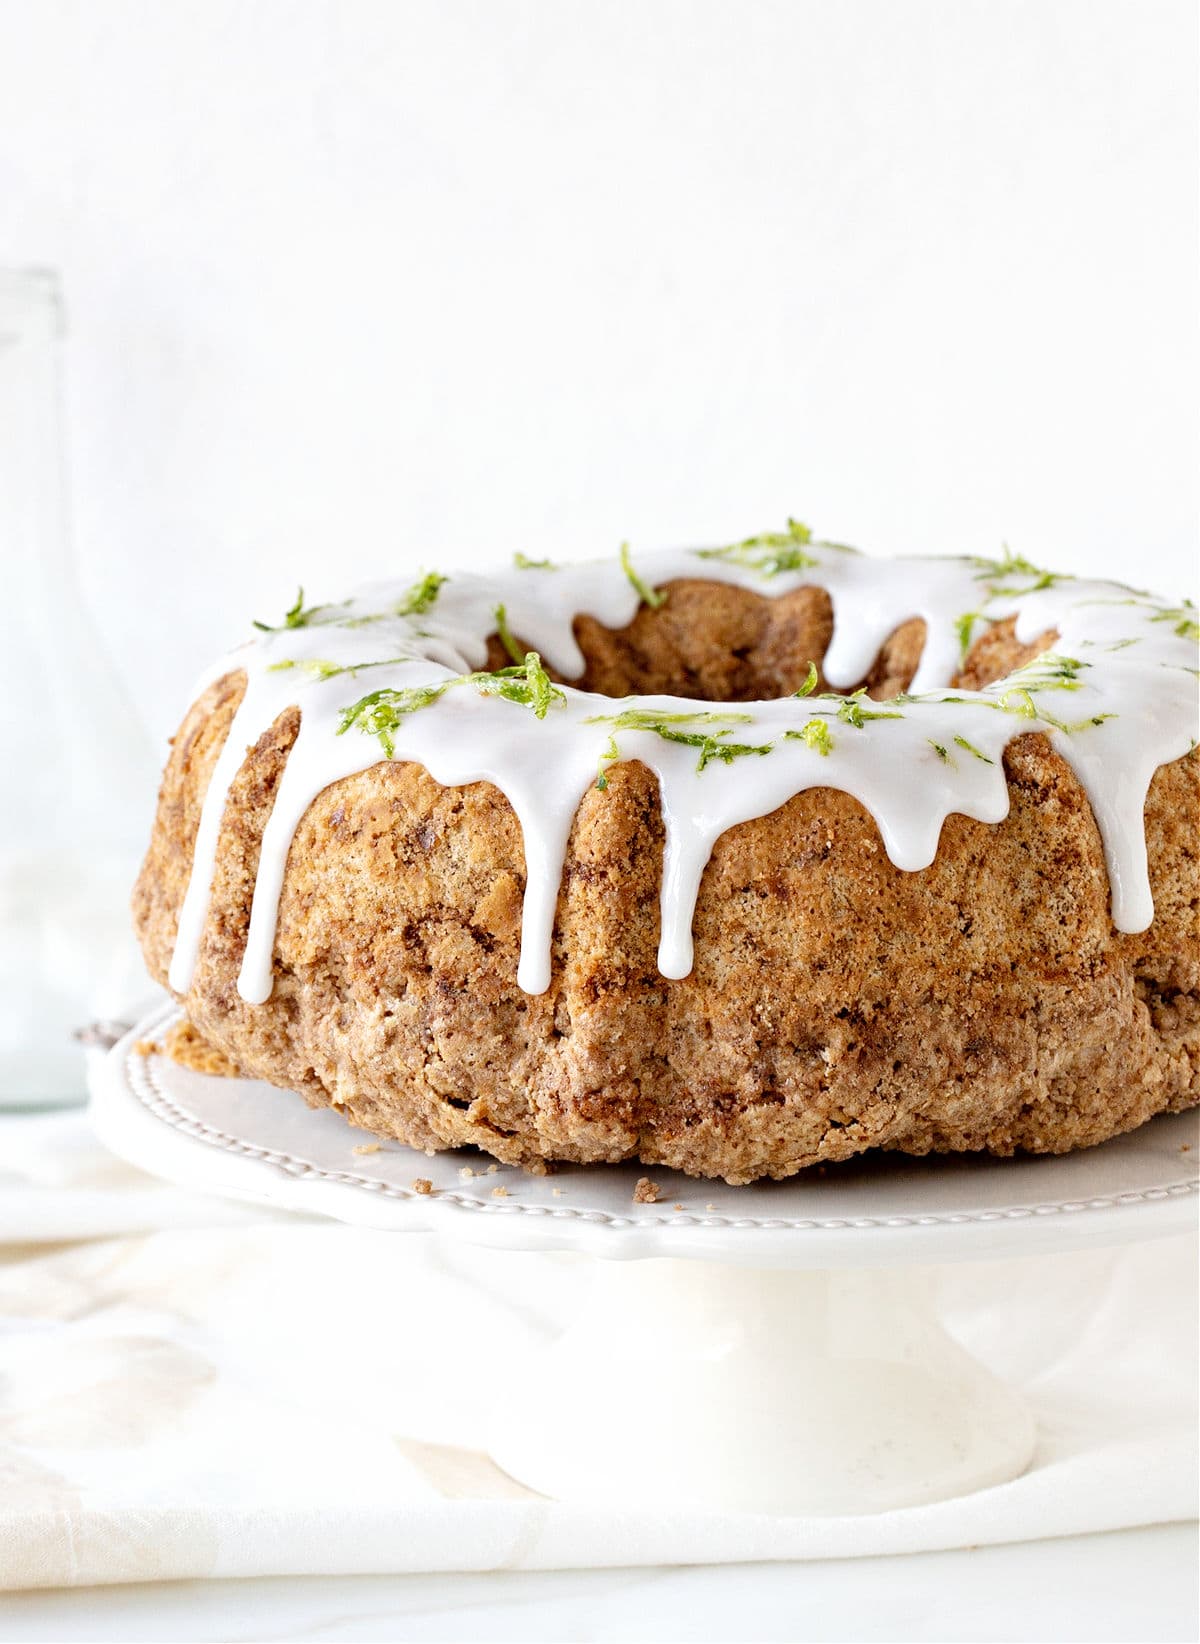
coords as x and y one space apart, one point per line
527 684
811 681
297 615
814 735
769 553
506 635
852 712
964 627
993 572
686 728
422 595
649 596
380 713
1183 618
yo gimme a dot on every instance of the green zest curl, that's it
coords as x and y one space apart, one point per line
319 668
852 711
649 596
994 571
419 599
770 553
298 616
1184 619
381 713
528 684
947 757
814 735
422 594
671 727
1058 673
506 635
810 682
524 563
964 627
1048 672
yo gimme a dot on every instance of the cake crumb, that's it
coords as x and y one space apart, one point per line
492 1169
186 1046
465 1173
646 1191
366 1147
557 1192
422 1185
1186 1148
676 1207
499 1193
146 1047
710 1207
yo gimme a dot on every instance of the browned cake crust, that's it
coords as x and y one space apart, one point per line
837 1003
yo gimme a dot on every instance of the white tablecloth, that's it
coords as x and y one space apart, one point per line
190 1388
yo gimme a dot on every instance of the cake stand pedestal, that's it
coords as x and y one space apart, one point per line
811 1393
771 1348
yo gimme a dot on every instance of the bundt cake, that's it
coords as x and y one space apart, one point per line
736 859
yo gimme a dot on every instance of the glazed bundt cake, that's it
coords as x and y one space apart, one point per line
736 859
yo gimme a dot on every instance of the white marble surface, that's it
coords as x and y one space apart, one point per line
1133 1585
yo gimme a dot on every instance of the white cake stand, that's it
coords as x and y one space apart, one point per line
774 1347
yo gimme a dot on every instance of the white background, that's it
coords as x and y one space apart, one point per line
359 286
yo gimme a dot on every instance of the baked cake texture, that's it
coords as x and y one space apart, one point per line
997 996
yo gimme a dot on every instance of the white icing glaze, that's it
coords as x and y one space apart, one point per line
1124 704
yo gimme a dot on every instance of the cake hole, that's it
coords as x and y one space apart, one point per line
712 642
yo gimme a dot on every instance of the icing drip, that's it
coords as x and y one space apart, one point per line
1117 699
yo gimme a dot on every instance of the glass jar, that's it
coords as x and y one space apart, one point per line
73 755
